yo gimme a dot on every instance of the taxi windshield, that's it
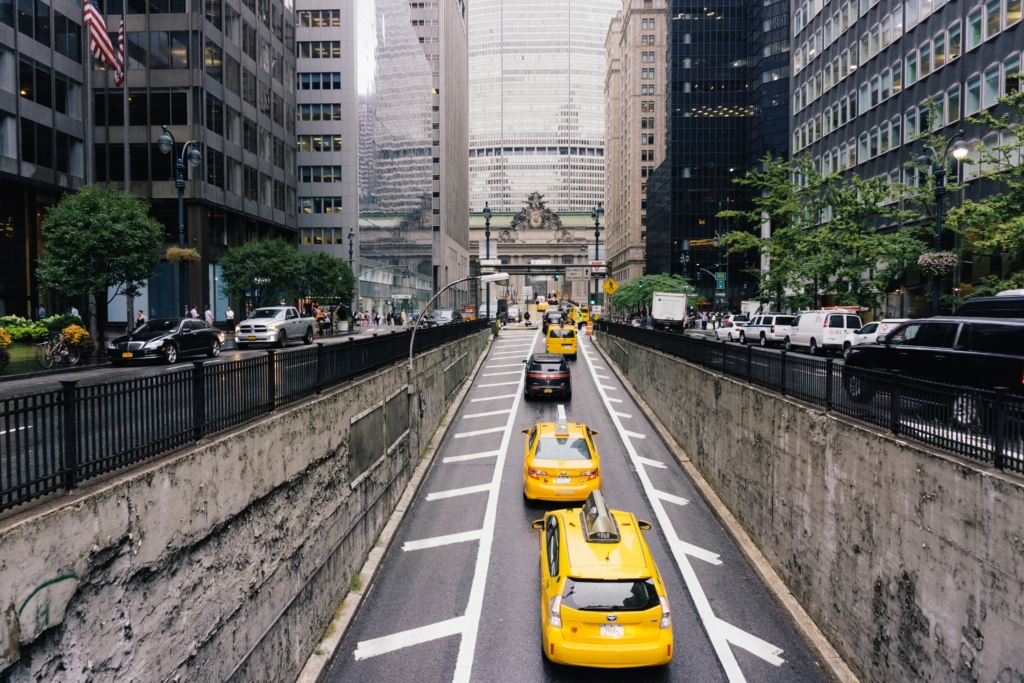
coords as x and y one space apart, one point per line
563 448
561 334
610 596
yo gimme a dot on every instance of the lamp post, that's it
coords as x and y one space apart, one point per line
487 256
351 237
166 145
718 262
960 150
596 214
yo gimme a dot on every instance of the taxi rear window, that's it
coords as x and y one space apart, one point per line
610 596
561 334
563 448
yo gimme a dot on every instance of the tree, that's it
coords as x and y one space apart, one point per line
266 270
326 279
637 294
97 240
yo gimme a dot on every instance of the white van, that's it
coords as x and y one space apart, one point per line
821 330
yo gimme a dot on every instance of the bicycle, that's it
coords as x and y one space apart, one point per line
57 352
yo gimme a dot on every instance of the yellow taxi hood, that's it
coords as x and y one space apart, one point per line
623 560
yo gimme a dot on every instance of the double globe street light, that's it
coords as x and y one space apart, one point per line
166 144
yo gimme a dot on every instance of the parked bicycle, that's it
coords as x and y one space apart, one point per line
56 352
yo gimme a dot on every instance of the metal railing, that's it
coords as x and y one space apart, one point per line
55 439
980 424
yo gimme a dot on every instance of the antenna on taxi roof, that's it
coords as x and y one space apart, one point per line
561 422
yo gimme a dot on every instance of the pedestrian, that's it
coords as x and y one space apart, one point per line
208 316
229 315
193 313
41 312
186 311
140 320
74 311
404 318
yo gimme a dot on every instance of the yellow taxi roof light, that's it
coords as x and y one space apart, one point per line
598 523
561 422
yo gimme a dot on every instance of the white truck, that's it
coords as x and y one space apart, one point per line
668 310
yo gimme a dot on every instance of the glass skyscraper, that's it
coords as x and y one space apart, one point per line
536 113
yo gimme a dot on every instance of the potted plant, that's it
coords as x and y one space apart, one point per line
179 255
938 263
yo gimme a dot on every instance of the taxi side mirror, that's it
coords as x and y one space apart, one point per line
537 524
644 526
594 432
524 431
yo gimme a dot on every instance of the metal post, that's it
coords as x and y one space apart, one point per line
198 400
782 373
320 366
179 183
750 362
999 459
70 430
271 380
940 189
487 249
828 384
894 402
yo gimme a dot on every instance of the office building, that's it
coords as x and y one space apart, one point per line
537 102
635 127
864 73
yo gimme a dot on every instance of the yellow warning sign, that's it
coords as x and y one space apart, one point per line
610 286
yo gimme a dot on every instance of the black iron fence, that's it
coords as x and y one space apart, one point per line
55 439
974 423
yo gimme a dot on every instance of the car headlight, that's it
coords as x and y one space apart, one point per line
156 343
272 328
111 346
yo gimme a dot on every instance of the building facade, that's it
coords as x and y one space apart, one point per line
635 127
537 112
870 76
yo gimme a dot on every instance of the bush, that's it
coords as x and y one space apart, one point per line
5 339
87 348
5 359
29 332
75 334
9 321
59 322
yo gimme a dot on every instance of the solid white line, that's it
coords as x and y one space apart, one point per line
463 435
497 374
505 365
652 463
626 415
700 600
498 384
635 435
751 643
669 498
442 540
471 456
493 412
491 398
474 607
452 493
415 636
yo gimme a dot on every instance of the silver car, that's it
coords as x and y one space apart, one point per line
274 325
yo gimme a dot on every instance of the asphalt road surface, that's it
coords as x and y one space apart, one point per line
457 597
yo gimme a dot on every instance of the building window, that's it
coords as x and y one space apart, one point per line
1011 75
991 91
974 30
319 174
250 183
895 138
993 16
67 37
310 205
911 68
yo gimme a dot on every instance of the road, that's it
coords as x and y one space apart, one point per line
457 594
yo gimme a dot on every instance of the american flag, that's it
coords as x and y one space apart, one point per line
99 41
119 69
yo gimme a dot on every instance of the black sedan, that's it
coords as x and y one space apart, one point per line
166 338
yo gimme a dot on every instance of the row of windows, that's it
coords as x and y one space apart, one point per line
319 81
424 22
41 146
647 89
34 21
319 17
647 155
647 122
37 83
647 57
647 138
167 107
575 151
318 112
319 174
318 143
647 24
646 74
647 106
319 49
320 205
647 41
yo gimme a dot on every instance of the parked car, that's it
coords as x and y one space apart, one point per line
982 353
819 331
166 338
729 330
766 329
276 325
869 333
442 316
1009 304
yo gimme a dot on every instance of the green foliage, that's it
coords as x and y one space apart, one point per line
99 239
59 322
325 278
637 294
269 269
21 329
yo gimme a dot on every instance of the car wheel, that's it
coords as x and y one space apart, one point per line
814 348
308 339
743 338
527 396
965 410
214 349
282 339
858 388
171 354
568 397
788 344
764 340
728 337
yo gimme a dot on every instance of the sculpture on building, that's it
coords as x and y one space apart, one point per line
536 216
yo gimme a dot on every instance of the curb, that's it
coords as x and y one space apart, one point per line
317 664
826 655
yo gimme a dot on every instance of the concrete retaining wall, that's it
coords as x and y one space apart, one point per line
910 562
222 562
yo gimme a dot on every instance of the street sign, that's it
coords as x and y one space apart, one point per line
719 295
403 297
719 280
527 293
610 286
577 274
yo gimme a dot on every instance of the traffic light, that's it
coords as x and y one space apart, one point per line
593 301
556 277
640 283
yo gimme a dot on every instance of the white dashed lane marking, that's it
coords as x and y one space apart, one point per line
498 384
493 412
415 636
471 456
452 493
443 540
492 430
491 398
652 463
669 498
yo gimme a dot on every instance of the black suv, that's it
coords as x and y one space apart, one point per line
547 374
983 353
1005 305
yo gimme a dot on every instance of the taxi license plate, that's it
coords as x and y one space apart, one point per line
563 480
252 338
126 355
613 630
547 391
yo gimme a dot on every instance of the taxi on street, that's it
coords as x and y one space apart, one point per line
562 339
561 461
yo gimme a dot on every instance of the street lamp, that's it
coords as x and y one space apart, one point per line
960 150
487 250
597 214
684 258
351 237
166 145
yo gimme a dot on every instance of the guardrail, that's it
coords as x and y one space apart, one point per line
55 439
974 423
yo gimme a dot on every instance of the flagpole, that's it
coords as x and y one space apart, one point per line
90 130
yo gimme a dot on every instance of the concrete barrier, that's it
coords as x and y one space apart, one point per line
910 561
224 561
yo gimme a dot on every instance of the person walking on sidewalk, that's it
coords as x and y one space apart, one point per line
208 316
229 316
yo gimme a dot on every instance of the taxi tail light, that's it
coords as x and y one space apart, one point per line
590 474
555 613
536 474
666 613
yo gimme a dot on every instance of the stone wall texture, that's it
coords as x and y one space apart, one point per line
910 562
224 561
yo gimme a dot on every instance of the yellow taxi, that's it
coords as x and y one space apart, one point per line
562 339
561 461
602 600
542 306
